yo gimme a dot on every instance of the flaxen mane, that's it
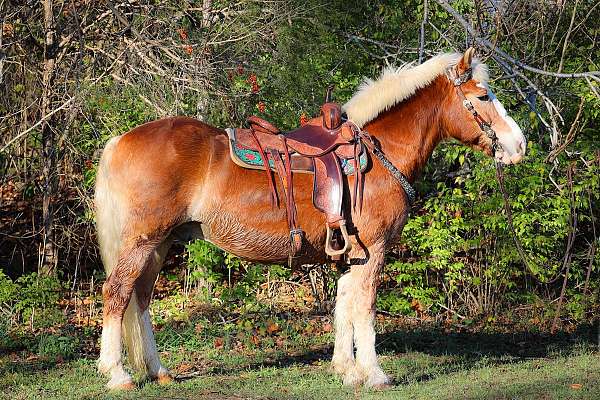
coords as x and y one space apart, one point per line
397 84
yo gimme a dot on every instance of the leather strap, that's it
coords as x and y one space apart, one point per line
284 170
411 194
457 80
265 126
274 197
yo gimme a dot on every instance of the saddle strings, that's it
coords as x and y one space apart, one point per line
274 197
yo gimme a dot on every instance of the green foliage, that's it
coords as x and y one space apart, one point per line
8 289
205 262
460 242
211 269
56 346
458 250
31 299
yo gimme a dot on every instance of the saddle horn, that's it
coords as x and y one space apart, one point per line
328 96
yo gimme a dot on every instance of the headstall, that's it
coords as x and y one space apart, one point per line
458 80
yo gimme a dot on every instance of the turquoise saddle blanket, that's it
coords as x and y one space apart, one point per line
249 158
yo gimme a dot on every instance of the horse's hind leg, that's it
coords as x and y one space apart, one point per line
139 339
133 260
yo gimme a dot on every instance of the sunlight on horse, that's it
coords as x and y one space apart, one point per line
175 177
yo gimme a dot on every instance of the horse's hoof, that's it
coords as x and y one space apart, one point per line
379 380
353 377
382 387
164 379
126 386
340 367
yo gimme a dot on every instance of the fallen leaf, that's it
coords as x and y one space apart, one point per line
272 327
184 367
576 386
219 342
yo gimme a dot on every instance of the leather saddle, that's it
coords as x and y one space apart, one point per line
321 147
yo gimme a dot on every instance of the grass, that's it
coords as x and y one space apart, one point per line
288 358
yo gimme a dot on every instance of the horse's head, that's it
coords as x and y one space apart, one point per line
476 117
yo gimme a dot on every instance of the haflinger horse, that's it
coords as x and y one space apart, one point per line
174 178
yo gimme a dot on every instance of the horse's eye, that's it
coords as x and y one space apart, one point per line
485 97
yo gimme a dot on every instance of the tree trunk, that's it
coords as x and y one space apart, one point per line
206 10
49 256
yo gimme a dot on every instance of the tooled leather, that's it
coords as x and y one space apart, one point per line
328 187
323 140
259 124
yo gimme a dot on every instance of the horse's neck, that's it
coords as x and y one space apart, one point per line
409 131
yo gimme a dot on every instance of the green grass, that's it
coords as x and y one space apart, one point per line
221 361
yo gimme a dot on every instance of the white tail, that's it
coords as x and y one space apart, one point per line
110 215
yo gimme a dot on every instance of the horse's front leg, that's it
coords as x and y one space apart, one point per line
343 350
359 291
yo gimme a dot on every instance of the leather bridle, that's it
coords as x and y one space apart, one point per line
457 81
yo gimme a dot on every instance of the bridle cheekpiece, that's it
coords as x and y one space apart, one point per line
457 81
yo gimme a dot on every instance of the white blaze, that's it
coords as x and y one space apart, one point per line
513 141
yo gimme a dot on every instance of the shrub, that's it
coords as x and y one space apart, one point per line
56 346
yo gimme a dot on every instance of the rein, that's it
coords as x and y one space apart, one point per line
457 80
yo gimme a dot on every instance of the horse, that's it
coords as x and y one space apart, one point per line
174 178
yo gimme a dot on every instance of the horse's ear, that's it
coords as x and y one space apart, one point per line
465 62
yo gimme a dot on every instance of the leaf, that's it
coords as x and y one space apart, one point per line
272 327
576 386
219 342
184 367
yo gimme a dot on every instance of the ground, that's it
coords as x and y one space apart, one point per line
287 357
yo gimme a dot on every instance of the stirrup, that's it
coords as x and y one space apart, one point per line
296 238
330 251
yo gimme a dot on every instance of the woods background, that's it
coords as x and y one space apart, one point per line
74 73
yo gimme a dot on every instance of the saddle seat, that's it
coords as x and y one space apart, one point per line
326 143
319 136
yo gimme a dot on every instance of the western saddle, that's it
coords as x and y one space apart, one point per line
322 147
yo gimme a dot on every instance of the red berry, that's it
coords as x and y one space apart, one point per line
303 119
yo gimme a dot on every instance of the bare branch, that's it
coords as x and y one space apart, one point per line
422 32
459 18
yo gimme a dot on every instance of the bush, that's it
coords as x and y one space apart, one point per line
55 346
31 299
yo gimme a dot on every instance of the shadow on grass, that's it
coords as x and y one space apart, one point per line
455 351
518 345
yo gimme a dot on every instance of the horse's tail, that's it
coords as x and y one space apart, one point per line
109 211
110 219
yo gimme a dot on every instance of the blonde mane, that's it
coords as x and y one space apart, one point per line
398 84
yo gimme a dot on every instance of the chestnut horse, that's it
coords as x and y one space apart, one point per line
174 178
